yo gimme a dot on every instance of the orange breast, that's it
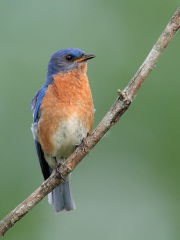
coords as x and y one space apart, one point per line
67 96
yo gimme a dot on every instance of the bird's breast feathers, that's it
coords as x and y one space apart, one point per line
66 114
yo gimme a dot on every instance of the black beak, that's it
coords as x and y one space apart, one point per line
88 56
85 57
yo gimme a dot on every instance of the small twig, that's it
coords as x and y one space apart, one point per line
118 108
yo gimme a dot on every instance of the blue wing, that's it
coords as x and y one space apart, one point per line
44 166
36 103
35 106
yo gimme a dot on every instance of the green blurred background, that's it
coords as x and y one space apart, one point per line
128 187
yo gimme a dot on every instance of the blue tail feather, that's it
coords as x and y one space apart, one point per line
61 197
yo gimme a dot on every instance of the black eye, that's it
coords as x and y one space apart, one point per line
69 57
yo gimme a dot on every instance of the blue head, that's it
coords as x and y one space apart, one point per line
66 60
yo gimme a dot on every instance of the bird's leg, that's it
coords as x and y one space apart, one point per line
83 143
59 172
59 166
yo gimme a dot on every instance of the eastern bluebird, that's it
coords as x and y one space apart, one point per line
63 115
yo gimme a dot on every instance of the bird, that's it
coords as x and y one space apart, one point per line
63 115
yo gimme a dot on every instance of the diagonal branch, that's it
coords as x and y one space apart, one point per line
121 104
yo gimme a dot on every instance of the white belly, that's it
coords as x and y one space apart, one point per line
66 139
